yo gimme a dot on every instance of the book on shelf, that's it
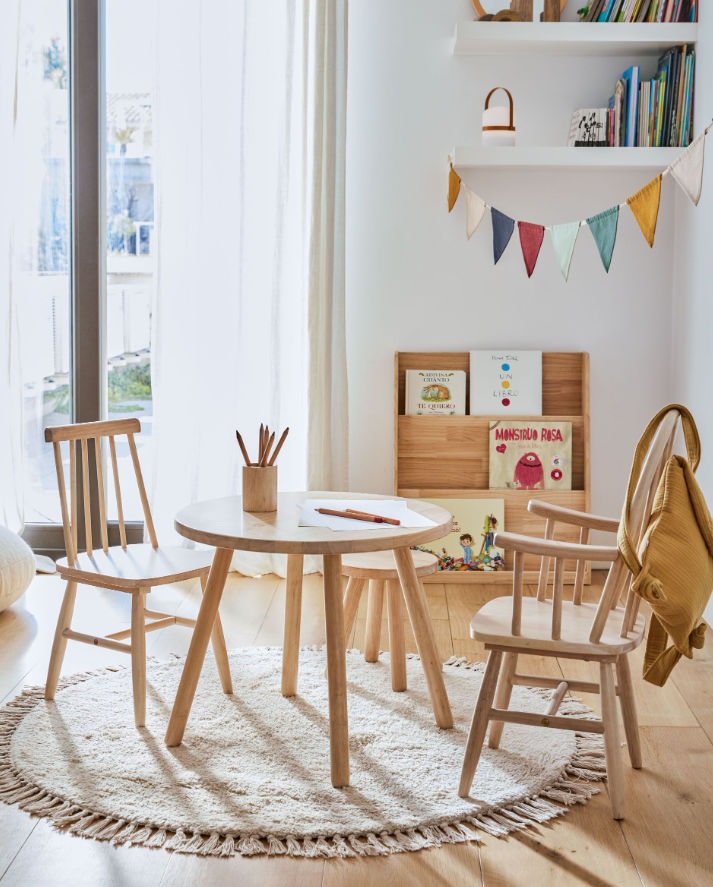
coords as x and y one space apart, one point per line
505 382
652 113
527 455
626 11
589 128
469 546
435 392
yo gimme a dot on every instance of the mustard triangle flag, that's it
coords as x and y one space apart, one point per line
474 211
453 187
687 168
564 238
645 206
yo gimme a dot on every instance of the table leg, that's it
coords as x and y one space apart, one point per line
199 645
425 638
336 670
293 619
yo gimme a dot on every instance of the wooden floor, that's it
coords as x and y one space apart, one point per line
664 842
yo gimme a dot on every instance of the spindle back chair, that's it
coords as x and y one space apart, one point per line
604 632
131 568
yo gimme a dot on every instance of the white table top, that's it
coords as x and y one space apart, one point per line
224 524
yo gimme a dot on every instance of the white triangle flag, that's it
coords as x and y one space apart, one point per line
564 238
474 211
687 168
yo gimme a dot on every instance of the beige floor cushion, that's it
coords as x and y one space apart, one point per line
17 567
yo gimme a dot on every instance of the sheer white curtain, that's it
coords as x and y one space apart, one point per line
11 512
249 318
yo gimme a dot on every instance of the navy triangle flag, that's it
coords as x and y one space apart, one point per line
503 227
603 227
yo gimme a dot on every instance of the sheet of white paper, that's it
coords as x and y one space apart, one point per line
386 508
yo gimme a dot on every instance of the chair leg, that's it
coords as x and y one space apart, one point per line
628 710
397 641
374 613
612 746
352 596
479 725
59 645
138 658
220 651
502 697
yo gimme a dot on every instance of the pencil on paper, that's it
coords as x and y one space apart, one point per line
386 520
356 515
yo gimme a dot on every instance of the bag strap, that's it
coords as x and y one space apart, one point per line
693 449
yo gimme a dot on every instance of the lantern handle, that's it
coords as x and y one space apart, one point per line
512 109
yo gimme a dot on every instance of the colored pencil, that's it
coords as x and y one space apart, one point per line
278 447
386 520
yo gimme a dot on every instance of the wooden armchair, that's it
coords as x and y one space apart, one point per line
604 632
133 569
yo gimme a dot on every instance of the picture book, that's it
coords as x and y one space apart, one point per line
469 546
631 77
589 128
530 455
435 392
505 382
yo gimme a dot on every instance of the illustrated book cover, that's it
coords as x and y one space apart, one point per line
469 546
435 392
506 383
530 455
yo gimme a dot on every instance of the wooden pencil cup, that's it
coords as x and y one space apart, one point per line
260 488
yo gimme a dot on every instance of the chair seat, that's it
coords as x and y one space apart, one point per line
381 564
492 623
136 566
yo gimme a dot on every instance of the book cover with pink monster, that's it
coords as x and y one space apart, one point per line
531 456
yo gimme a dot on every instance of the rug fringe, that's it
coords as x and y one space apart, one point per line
576 785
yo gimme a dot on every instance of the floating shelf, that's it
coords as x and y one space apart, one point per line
560 158
570 38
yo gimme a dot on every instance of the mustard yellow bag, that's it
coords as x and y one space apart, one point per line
673 568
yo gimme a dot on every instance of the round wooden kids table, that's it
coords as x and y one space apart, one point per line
224 524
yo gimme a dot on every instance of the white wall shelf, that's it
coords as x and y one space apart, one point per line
564 158
570 38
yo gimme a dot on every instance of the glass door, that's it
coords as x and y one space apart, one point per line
131 248
40 254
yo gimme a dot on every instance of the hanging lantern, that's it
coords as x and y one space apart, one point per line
498 123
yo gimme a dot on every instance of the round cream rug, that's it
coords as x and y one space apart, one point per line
252 775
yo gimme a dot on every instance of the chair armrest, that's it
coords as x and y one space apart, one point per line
569 516
552 548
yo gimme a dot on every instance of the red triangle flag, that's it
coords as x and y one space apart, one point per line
530 241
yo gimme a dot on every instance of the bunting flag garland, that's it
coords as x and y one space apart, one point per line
687 168
474 212
502 232
453 187
531 237
564 238
645 206
603 227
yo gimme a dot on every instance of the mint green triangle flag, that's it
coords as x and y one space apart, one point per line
603 227
564 238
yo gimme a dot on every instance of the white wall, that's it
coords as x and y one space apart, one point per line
692 308
415 283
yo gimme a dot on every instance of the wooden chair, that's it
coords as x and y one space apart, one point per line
603 632
379 569
133 569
